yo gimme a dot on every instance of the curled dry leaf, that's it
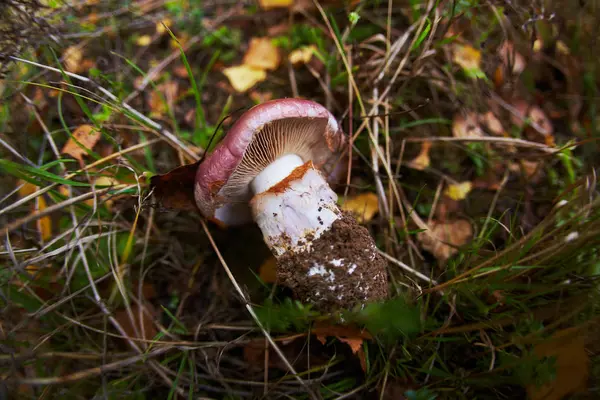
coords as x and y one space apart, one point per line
445 237
243 77
303 55
175 189
262 54
511 59
458 191
571 366
87 136
422 161
364 206
533 113
466 125
492 123
44 224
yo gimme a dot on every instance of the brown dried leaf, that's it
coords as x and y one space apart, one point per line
262 54
149 331
492 123
422 161
87 136
511 58
466 125
364 206
175 189
444 238
572 365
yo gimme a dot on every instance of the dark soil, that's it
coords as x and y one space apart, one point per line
342 269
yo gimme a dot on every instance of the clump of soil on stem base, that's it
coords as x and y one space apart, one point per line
341 270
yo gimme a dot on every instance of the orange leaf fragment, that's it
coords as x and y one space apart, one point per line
87 136
422 161
572 365
268 270
270 4
44 224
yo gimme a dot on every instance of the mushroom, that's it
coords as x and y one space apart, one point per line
270 168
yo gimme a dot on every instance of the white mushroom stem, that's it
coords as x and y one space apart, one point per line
293 204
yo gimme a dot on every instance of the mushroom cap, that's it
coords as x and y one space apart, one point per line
260 136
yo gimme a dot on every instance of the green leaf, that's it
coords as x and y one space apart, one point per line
36 175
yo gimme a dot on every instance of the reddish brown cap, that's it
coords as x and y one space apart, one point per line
261 135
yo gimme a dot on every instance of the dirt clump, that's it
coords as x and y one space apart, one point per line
341 270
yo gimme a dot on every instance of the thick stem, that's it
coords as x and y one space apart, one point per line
323 255
296 210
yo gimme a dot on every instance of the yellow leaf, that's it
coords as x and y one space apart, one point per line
364 206
262 54
160 25
444 238
268 270
458 191
270 4
572 365
422 161
144 40
303 55
469 58
72 57
243 77
27 188
44 224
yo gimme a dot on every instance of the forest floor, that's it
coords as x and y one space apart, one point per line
474 137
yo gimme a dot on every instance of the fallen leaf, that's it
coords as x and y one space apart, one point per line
87 136
422 161
163 98
262 54
364 206
270 4
444 238
175 189
511 59
268 270
303 55
160 25
469 59
572 365
534 113
260 97
27 188
44 224
144 40
530 168
492 123
72 57
243 77
458 191
146 330
466 125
